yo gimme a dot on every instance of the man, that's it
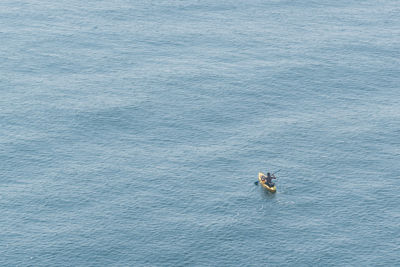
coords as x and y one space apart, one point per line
269 179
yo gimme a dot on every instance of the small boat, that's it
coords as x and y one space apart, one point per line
264 184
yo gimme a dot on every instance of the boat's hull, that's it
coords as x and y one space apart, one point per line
263 184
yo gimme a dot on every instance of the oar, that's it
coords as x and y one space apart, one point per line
256 183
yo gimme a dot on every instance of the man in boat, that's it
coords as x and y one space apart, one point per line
269 179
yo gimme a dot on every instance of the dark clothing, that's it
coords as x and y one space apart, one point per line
269 180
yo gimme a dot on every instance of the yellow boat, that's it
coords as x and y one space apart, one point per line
263 183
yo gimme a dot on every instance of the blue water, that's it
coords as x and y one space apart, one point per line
132 132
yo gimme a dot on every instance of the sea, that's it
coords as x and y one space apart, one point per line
132 132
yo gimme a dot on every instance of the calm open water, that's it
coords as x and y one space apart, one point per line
131 133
